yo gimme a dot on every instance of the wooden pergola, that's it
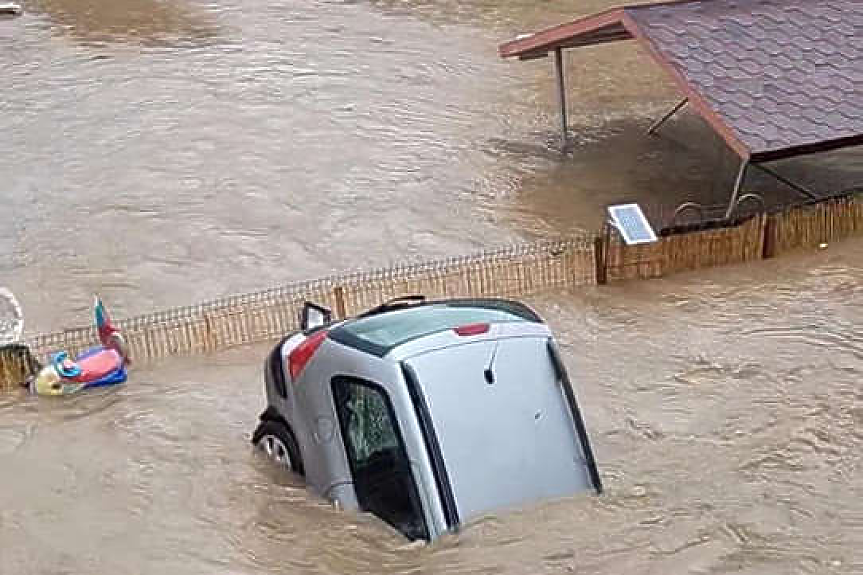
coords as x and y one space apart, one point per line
773 78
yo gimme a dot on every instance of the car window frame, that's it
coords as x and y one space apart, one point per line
341 379
440 474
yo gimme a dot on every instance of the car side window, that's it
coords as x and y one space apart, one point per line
383 479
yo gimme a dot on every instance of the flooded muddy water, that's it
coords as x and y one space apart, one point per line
164 152
725 410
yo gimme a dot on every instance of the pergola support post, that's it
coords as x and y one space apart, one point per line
741 177
561 97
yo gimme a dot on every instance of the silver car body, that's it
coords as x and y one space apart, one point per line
481 416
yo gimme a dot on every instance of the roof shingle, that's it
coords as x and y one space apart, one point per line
775 78
752 75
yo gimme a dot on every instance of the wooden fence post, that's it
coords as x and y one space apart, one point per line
341 310
600 251
769 243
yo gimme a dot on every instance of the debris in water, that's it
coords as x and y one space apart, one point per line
17 364
10 9
11 318
96 367
822 246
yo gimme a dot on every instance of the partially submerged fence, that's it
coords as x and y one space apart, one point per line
681 252
509 272
813 224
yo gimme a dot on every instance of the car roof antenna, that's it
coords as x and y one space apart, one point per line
489 370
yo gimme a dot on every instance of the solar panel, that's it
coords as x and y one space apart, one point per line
631 223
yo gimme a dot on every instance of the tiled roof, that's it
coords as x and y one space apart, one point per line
775 78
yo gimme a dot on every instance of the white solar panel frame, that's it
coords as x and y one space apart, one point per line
614 213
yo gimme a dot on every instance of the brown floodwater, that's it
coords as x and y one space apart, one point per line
725 409
160 152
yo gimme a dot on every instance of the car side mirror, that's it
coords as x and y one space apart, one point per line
314 316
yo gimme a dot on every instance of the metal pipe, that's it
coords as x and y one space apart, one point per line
561 97
688 206
741 175
657 124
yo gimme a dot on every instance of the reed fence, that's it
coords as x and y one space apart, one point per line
684 252
515 271
813 224
243 319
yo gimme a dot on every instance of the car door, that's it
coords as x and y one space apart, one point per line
381 472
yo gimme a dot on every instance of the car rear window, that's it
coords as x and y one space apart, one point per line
380 333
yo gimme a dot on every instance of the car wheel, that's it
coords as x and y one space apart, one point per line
278 443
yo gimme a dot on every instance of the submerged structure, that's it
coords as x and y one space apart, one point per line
774 78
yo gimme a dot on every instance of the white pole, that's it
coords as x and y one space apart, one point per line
741 175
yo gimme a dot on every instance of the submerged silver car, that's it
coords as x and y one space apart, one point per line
427 414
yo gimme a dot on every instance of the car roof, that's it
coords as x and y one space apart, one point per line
383 331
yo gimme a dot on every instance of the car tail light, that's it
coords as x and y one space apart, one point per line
472 329
300 355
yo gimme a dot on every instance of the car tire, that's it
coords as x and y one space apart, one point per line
275 439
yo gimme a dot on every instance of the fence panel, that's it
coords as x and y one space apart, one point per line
684 252
514 271
811 225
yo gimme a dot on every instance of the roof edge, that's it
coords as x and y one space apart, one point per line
546 40
806 149
695 98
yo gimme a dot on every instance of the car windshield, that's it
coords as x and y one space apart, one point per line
380 333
